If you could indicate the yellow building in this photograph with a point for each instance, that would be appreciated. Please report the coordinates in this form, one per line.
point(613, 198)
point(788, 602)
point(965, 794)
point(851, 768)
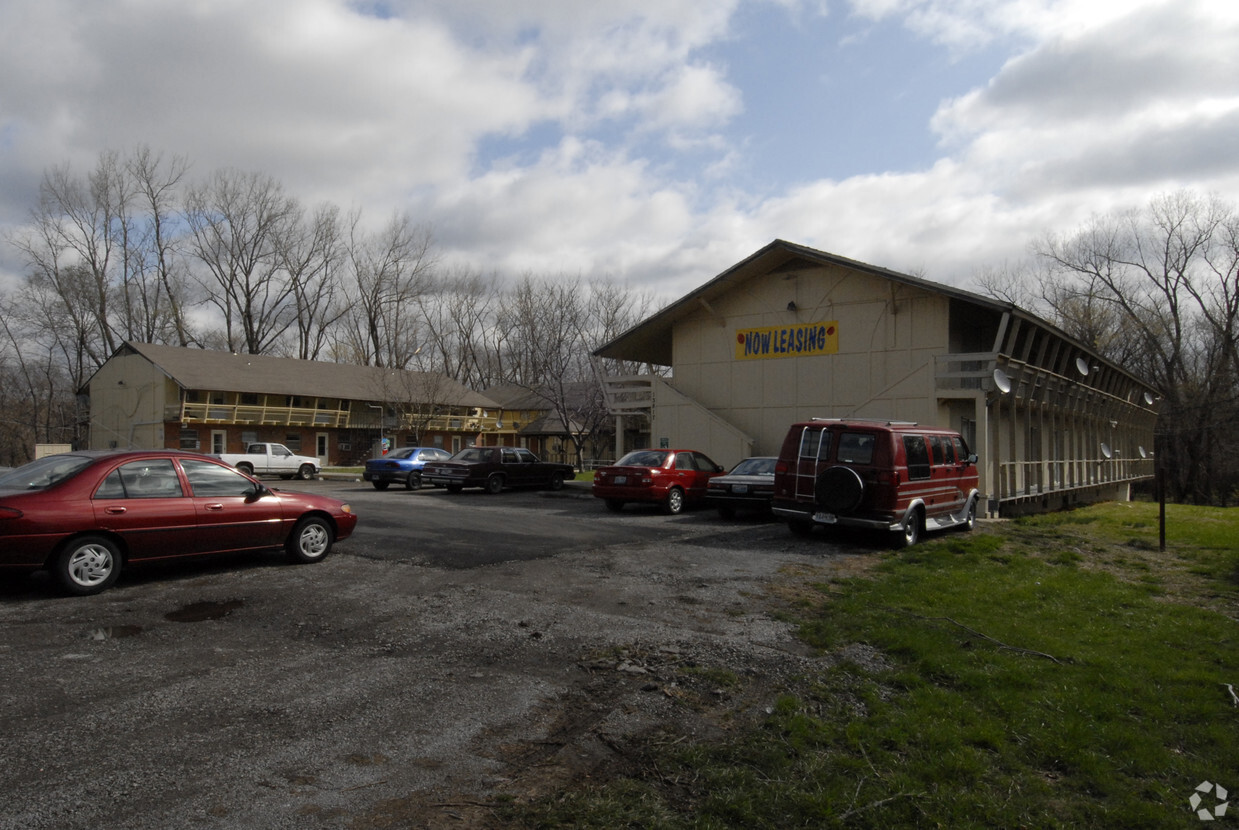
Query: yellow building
point(792, 333)
point(212, 401)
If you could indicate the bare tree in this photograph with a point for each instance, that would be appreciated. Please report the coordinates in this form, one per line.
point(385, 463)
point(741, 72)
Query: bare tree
point(1160, 290)
point(157, 267)
point(391, 269)
point(313, 256)
point(459, 313)
point(239, 222)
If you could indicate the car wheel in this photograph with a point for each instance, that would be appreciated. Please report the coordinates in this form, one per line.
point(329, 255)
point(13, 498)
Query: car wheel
point(414, 481)
point(800, 527)
point(970, 518)
point(310, 540)
point(494, 484)
point(380, 485)
point(455, 488)
point(727, 512)
point(615, 505)
point(910, 534)
point(674, 502)
point(557, 481)
point(305, 473)
point(88, 565)
point(248, 469)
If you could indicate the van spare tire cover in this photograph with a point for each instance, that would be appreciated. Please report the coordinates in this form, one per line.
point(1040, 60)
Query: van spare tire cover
point(839, 489)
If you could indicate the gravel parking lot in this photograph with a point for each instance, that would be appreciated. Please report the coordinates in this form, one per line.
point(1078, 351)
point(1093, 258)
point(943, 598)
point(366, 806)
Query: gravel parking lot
point(456, 651)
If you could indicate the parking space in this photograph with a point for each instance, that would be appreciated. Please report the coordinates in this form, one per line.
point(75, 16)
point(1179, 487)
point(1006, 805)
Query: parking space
point(398, 674)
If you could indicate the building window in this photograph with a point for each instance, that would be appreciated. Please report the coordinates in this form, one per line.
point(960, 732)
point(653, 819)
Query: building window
point(189, 439)
point(250, 436)
point(293, 441)
point(249, 398)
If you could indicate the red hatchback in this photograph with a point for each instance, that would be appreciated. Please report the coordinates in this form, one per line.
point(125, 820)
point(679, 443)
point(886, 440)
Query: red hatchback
point(671, 478)
point(84, 515)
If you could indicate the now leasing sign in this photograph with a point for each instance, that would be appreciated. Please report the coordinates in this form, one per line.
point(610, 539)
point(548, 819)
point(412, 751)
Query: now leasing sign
point(800, 340)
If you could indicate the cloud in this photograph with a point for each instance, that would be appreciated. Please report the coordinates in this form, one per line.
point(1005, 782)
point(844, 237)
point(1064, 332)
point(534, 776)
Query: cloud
point(395, 105)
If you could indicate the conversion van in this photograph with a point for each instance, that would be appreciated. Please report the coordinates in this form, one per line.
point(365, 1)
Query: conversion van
point(893, 476)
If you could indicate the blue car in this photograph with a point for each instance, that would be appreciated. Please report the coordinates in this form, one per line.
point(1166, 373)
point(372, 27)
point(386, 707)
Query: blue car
point(402, 466)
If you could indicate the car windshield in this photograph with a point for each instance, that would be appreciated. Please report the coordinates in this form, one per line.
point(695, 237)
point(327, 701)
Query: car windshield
point(43, 472)
point(754, 467)
point(643, 458)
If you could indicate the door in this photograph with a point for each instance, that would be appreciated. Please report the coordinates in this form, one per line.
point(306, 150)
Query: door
point(230, 516)
point(145, 504)
point(219, 441)
point(321, 442)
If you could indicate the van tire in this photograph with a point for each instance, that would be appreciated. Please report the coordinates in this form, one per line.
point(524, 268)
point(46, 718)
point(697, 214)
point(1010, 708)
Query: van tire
point(913, 528)
point(839, 490)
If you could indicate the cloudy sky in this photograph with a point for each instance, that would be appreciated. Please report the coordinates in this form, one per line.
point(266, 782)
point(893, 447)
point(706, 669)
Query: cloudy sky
point(654, 141)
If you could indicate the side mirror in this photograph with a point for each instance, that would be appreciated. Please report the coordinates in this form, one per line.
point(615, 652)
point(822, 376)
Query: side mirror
point(972, 459)
point(718, 468)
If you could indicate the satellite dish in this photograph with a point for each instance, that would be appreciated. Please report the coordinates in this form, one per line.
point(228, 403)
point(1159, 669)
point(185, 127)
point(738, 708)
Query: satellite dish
point(1148, 398)
point(498, 424)
point(1082, 366)
point(1143, 454)
point(1002, 381)
point(1105, 450)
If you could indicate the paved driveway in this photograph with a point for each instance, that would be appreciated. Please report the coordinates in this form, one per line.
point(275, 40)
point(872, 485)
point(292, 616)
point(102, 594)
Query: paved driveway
point(455, 651)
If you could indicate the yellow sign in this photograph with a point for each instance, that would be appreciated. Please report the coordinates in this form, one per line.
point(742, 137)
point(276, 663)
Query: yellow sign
point(800, 340)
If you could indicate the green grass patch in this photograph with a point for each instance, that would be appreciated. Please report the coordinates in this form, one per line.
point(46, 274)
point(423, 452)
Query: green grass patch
point(1031, 677)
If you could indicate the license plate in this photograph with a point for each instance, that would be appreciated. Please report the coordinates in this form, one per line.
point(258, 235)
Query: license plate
point(739, 488)
point(825, 518)
point(621, 479)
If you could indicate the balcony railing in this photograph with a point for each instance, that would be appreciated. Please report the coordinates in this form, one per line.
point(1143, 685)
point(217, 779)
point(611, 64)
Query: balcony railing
point(211, 413)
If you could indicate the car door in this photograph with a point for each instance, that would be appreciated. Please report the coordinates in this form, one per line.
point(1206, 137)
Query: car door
point(232, 511)
point(144, 502)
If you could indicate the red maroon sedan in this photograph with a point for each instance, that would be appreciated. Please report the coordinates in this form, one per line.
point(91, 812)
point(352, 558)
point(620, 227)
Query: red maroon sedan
point(84, 515)
point(672, 478)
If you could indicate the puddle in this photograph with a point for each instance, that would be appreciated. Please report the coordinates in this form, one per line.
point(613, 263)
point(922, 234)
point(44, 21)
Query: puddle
point(199, 611)
point(114, 632)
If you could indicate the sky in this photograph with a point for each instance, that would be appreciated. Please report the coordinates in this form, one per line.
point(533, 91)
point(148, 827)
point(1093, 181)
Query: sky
point(652, 142)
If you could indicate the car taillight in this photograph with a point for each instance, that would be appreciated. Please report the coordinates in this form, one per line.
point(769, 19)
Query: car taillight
point(781, 467)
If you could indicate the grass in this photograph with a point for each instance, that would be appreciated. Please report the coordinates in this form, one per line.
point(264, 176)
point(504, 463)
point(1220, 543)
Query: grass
point(1052, 671)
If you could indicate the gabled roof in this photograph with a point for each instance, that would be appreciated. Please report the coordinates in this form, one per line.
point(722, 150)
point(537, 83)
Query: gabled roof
point(579, 394)
point(650, 340)
point(263, 374)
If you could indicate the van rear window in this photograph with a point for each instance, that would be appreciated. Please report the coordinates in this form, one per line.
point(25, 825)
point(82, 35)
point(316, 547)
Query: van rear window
point(856, 448)
point(815, 444)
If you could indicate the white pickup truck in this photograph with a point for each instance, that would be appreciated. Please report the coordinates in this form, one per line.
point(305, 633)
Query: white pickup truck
point(272, 459)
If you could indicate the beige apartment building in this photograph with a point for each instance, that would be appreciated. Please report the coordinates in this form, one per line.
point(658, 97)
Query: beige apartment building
point(793, 333)
point(214, 401)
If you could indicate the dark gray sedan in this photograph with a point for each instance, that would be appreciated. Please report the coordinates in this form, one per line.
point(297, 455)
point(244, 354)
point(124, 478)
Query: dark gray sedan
point(749, 486)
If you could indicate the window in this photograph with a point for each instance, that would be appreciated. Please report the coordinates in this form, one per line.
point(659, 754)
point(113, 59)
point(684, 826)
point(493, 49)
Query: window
point(526, 456)
point(189, 439)
point(961, 448)
point(918, 456)
point(293, 442)
point(150, 479)
point(211, 480)
point(249, 398)
point(814, 444)
point(856, 448)
point(939, 448)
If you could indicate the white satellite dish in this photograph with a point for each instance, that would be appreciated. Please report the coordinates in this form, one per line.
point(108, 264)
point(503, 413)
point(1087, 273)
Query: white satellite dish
point(1148, 398)
point(1105, 450)
point(1143, 454)
point(1082, 366)
point(1002, 381)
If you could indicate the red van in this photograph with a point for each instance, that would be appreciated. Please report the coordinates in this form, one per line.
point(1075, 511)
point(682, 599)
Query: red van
point(894, 476)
